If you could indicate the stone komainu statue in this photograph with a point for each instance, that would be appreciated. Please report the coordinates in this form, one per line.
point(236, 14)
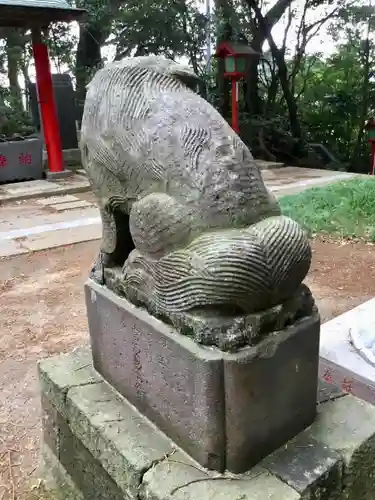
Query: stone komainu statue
point(185, 212)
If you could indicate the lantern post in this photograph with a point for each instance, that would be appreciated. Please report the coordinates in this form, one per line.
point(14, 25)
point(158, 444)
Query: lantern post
point(236, 59)
point(370, 127)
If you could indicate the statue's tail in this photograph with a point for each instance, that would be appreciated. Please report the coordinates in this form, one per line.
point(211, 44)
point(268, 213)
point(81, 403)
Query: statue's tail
point(243, 269)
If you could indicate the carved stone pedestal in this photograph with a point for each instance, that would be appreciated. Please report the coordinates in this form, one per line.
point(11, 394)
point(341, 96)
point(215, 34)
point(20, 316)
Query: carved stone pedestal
point(226, 410)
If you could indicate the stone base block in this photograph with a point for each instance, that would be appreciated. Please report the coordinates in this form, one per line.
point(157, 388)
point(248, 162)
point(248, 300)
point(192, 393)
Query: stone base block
point(227, 410)
point(340, 362)
point(97, 446)
point(53, 176)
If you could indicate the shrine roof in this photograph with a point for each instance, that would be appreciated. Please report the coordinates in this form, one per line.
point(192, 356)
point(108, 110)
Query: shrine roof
point(228, 48)
point(28, 13)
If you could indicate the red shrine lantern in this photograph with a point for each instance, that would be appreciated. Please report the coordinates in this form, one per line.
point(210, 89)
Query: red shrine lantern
point(370, 127)
point(236, 62)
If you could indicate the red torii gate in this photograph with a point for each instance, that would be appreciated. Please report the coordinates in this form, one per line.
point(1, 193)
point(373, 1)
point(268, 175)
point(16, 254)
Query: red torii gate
point(37, 15)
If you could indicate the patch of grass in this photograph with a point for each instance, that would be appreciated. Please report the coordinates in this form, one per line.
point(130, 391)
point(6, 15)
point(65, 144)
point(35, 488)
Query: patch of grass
point(344, 209)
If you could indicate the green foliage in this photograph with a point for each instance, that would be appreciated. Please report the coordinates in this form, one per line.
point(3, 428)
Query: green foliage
point(61, 45)
point(169, 27)
point(332, 95)
point(13, 120)
point(330, 103)
point(344, 209)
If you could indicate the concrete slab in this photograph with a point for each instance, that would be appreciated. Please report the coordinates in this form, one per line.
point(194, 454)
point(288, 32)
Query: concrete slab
point(62, 237)
point(71, 205)
point(269, 165)
point(22, 188)
point(340, 362)
point(9, 248)
point(73, 181)
point(293, 174)
point(41, 188)
point(29, 218)
point(304, 184)
point(55, 200)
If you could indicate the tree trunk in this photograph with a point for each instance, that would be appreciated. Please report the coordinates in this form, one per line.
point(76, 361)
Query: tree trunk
point(254, 104)
point(355, 165)
point(88, 60)
point(91, 39)
point(290, 100)
point(14, 48)
point(253, 100)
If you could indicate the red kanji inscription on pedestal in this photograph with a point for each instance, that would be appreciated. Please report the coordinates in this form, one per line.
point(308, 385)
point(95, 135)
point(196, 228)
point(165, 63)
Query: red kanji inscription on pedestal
point(25, 159)
point(3, 161)
point(347, 385)
point(327, 375)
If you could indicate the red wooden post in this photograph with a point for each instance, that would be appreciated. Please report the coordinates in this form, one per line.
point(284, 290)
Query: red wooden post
point(235, 120)
point(47, 103)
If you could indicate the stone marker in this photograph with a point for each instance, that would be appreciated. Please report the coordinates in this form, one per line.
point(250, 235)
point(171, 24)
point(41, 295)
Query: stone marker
point(197, 311)
point(346, 357)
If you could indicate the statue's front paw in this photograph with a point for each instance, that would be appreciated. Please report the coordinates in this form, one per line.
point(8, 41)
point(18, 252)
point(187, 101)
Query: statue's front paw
point(97, 270)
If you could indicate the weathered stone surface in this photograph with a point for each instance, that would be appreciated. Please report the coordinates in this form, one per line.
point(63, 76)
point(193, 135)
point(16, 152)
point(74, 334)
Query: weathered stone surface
point(57, 479)
point(224, 409)
point(347, 426)
point(87, 473)
point(270, 393)
point(98, 419)
point(331, 460)
point(118, 436)
point(178, 478)
point(314, 470)
point(58, 374)
point(52, 421)
point(328, 392)
point(53, 176)
point(169, 378)
point(184, 208)
point(79, 469)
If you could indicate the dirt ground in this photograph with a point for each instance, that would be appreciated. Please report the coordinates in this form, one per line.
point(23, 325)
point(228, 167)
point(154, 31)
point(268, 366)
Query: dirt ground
point(42, 313)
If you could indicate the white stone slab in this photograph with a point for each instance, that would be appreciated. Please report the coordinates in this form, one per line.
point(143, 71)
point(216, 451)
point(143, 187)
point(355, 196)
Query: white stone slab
point(71, 205)
point(30, 186)
point(63, 237)
point(316, 182)
point(11, 247)
point(55, 200)
point(340, 362)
